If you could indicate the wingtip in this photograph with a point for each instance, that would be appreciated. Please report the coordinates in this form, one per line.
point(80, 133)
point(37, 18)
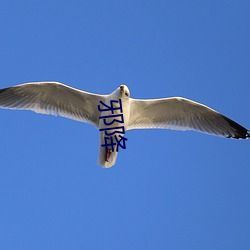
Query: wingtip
point(248, 134)
point(239, 131)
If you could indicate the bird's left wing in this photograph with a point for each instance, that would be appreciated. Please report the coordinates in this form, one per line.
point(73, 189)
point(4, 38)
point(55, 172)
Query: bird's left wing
point(53, 98)
point(182, 114)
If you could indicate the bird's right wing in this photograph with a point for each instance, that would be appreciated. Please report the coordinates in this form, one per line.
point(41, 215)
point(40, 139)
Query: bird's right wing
point(53, 98)
point(182, 114)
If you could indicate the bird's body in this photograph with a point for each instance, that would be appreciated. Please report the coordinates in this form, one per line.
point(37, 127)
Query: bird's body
point(107, 159)
point(167, 113)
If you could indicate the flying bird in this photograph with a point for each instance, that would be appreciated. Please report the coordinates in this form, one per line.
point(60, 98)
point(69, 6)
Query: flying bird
point(175, 113)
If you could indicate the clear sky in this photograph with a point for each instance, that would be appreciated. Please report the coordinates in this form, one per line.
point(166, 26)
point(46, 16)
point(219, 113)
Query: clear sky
point(169, 189)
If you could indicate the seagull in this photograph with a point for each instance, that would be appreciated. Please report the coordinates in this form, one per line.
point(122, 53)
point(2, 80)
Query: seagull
point(175, 113)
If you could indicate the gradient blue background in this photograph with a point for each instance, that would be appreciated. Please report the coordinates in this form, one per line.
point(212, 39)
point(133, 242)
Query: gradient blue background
point(169, 189)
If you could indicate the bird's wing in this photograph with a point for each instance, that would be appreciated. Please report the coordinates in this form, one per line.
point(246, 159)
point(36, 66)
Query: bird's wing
point(53, 98)
point(182, 114)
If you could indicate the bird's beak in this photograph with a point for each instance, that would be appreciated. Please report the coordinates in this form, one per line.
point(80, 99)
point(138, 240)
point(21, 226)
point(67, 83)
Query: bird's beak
point(122, 88)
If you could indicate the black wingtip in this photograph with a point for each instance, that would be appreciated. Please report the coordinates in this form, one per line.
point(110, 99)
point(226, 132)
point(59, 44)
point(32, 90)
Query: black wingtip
point(248, 134)
point(239, 131)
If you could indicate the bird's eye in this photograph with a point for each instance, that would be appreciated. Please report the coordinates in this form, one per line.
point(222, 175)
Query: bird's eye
point(126, 93)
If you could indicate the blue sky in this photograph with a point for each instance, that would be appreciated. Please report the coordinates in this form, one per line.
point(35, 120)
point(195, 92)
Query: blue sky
point(169, 189)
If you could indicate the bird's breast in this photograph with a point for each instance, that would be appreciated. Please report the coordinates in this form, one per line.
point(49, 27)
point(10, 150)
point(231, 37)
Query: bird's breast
point(114, 114)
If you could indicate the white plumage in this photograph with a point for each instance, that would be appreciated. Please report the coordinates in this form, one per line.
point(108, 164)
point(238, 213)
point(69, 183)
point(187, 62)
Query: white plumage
point(167, 113)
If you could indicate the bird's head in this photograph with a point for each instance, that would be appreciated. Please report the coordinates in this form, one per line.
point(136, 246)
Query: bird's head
point(124, 91)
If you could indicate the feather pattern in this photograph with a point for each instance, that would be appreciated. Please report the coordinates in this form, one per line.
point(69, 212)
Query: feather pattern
point(53, 98)
point(182, 114)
